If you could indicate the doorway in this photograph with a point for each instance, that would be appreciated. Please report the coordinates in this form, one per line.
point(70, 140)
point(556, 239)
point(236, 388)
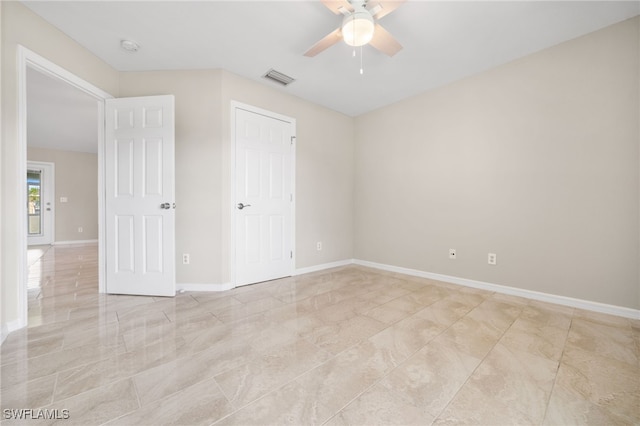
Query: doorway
point(29, 61)
point(40, 199)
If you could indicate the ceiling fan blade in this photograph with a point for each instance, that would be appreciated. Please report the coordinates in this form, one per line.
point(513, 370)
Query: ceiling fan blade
point(325, 43)
point(384, 41)
point(381, 9)
point(338, 6)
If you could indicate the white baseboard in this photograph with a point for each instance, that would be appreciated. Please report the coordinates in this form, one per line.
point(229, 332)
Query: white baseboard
point(323, 266)
point(64, 243)
point(8, 328)
point(229, 286)
point(528, 294)
point(203, 287)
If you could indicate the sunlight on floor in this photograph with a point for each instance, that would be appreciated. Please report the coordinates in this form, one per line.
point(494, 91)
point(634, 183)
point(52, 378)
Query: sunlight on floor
point(35, 255)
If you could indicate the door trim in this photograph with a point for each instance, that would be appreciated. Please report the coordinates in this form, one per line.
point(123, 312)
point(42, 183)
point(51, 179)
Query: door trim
point(27, 58)
point(235, 105)
point(50, 184)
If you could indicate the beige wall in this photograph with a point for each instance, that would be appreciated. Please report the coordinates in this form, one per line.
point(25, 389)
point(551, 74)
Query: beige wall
point(76, 178)
point(21, 26)
point(324, 177)
point(536, 161)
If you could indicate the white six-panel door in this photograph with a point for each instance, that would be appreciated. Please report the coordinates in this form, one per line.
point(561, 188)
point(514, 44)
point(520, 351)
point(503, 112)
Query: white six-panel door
point(140, 196)
point(264, 159)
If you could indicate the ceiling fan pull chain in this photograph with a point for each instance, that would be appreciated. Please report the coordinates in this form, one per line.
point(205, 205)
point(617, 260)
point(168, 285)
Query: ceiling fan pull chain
point(361, 67)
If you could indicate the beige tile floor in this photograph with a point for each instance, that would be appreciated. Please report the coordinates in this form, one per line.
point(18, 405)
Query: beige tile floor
point(345, 346)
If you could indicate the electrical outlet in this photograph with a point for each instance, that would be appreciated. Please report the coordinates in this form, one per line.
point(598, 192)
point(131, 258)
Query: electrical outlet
point(319, 246)
point(492, 259)
point(186, 259)
point(80, 229)
point(452, 253)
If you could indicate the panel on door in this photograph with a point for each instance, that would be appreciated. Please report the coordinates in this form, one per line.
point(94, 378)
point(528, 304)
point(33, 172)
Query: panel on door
point(140, 195)
point(264, 196)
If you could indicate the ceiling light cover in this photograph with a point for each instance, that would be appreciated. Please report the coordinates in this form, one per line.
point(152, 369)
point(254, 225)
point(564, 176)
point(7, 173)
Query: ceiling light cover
point(357, 28)
point(130, 46)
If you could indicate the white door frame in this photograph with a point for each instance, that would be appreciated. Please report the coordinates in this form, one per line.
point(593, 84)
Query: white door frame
point(49, 191)
point(232, 243)
point(27, 58)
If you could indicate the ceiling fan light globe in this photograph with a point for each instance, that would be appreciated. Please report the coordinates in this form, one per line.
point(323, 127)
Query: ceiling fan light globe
point(358, 28)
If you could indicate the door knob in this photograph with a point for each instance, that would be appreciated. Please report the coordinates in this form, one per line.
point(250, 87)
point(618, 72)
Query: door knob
point(165, 206)
point(242, 206)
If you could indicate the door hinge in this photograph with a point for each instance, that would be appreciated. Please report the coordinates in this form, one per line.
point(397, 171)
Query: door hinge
point(293, 138)
point(291, 197)
point(291, 254)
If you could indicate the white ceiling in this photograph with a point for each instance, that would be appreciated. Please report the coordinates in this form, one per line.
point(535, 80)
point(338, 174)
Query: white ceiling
point(443, 41)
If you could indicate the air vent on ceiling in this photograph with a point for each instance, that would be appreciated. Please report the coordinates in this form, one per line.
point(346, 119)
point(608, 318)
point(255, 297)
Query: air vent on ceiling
point(279, 77)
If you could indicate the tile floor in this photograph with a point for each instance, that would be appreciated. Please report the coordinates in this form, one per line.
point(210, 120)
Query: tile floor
point(346, 346)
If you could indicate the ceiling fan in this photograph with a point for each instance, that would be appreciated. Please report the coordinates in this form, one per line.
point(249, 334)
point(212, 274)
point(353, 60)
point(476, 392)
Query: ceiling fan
point(359, 26)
